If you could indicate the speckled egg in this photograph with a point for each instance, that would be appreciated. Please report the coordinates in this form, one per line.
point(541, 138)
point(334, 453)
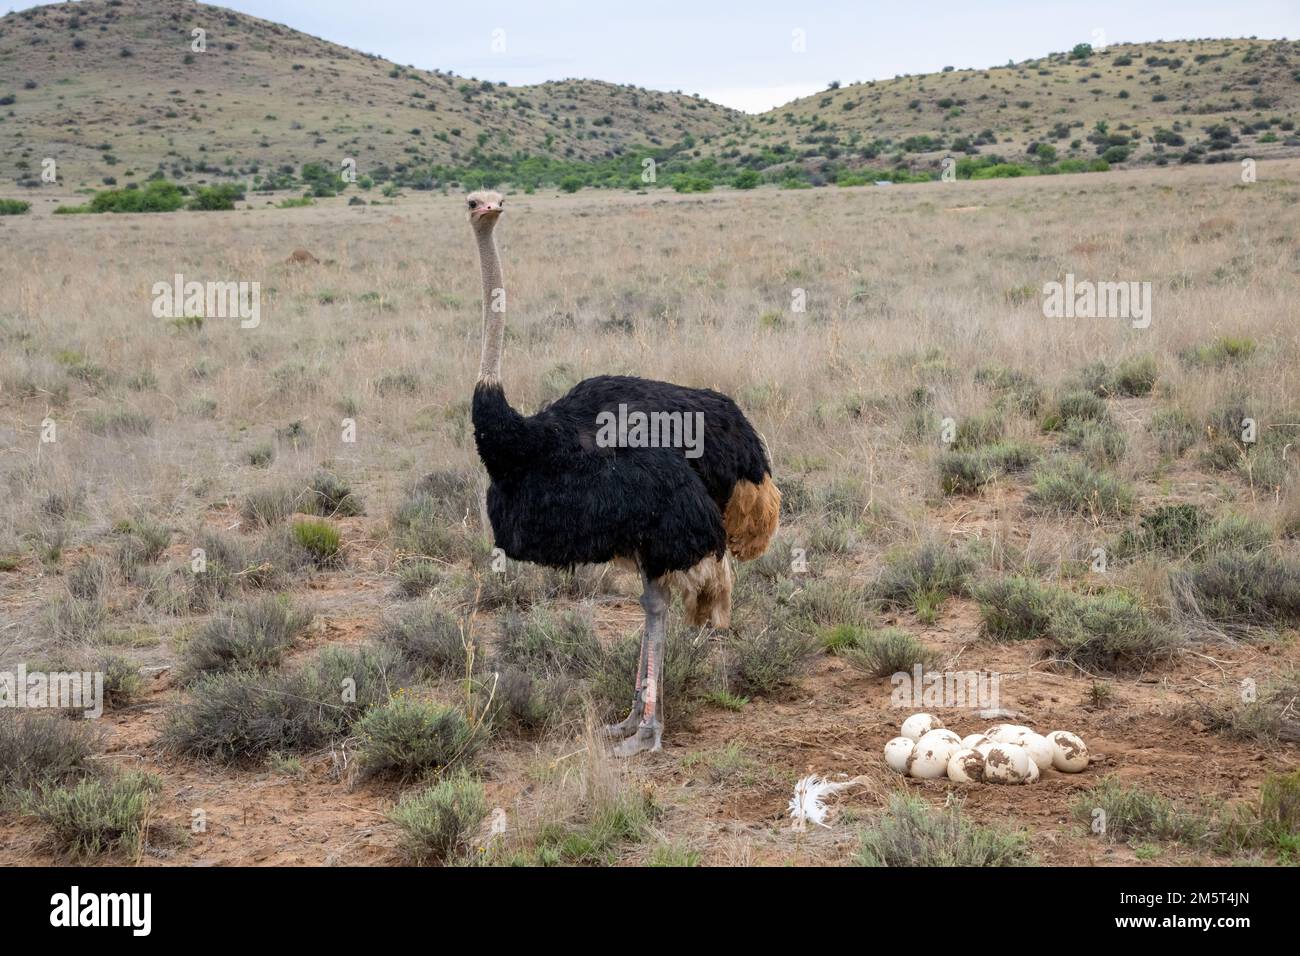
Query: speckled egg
point(918, 725)
point(966, 766)
point(1069, 752)
point(897, 752)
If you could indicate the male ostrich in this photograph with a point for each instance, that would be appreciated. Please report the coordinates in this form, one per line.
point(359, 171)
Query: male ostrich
point(559, 497)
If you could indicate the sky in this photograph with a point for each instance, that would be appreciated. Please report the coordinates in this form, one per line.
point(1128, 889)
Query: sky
point(745, 53)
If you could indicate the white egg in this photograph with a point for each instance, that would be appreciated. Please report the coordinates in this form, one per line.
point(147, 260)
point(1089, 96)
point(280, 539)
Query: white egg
point(916, 726)
point(1040, 749)
point(930, 762)
point(1069, 752)
point(1006, 733)
point(984, 748)
point(941, 734)
point(897, 752)
point(966, 766)
point(1006, 763)
point(971, 741)
point(1034, 772)
point(940, 740)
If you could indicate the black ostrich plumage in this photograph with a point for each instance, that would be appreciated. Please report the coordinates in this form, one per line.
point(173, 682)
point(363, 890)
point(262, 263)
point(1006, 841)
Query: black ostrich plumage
point(557, 498)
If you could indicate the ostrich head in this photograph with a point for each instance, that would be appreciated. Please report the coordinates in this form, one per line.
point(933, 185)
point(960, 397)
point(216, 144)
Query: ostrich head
point(484, 208)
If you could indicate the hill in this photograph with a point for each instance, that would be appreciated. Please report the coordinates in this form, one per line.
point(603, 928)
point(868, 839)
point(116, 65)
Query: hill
point(107, 86)
point(115, 92)
point(1191, 101)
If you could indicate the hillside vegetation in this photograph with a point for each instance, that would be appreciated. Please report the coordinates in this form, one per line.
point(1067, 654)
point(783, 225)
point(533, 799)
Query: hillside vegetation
point(113, 88)
point(115, 93)
point(1182, 102)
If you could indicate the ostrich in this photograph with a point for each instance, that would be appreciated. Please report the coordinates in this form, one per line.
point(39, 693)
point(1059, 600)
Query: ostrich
point(559, 495)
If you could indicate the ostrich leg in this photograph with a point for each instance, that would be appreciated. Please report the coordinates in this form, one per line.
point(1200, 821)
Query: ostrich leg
point(648, 729)
point(633, 719)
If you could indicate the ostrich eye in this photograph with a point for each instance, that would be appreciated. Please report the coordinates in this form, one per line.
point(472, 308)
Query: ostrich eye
point(473, 204)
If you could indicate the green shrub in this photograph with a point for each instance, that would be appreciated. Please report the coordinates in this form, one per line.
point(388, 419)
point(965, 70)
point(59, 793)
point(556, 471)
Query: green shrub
point(429, 638)
point(122, 680)
point(244, 715)
point(965, 472)
point(13, 207)
point(1109, 632)
point(329, 497)
point(1016, 608)
point(597, 840)
point(408, 738)
point(546, 643)
point(887, 651)
point(98, 815)
point(975, 431)
point(1100, 443)
point(1217, 354)
point(261, 455)
point(809, 607)
point(142, 542)
point(40, 750)
point(1017, 388)
point(437, 823)
point(1076, 486)
point(1240, 589)
point(761, 661)
point(685, 183)
point(842, 637)
point(922, 578)
point(217, 198)
point(1135, 376)
point(251, 636)
point(911, 833)
point(122, 421)
point(1078, 407)
point(1176, 529)
point(1132, 813)
point(1268, 719)
point(1173, 431)
point(417, 578)
point(321, 540)
point(429, 520)
point(156, 196)
point(1278, 815)
point(531, 702)
point(269, 505)
point(1237, 533)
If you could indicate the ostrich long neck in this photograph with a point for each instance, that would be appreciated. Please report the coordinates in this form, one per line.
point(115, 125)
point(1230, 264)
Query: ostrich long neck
point(494, 316)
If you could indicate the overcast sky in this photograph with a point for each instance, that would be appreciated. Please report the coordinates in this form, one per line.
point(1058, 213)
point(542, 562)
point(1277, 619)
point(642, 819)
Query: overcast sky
point(742, 53)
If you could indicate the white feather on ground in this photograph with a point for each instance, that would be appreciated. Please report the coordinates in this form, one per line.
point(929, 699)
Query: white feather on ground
point(809, 800)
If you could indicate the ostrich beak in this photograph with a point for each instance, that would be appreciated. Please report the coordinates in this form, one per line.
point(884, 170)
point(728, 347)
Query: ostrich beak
point(486, 211)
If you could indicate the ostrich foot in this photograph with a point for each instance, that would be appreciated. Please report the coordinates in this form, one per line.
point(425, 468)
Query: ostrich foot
point(623, 728)
point(628, 724)
point(647, 737)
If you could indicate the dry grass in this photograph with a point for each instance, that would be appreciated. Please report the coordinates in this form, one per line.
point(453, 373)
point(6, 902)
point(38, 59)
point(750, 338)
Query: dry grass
point(907, 305)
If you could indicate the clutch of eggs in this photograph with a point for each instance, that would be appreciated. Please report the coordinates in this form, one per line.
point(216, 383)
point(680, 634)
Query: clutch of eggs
point(1005, 753)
